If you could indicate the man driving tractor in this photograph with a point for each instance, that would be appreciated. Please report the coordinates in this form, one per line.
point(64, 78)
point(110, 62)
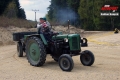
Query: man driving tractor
point(60, 46)
point(43, 24)
point(44, 28)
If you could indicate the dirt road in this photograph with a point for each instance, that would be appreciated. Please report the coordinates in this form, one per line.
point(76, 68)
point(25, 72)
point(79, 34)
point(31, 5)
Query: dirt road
point(106, 48)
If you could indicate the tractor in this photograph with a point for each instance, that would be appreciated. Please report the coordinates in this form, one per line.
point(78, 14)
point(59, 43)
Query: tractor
point(62, 48)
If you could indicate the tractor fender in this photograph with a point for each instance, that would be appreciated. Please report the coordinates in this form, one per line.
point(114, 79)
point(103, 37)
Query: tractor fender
point(26, 37)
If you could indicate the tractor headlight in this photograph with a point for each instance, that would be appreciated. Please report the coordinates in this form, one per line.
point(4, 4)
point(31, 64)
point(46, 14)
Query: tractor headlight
point(65, 39)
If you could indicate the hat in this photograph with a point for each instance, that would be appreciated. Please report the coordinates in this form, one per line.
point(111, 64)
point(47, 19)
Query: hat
point(43, 18)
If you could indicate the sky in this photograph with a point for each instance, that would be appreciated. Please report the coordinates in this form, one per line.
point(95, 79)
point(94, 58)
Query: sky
point(30, 5)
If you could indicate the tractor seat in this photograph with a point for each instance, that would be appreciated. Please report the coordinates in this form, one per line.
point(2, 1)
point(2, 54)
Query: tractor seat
point(55, 34)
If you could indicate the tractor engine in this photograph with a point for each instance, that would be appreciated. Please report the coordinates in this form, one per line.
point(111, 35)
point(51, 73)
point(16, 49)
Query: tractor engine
point(67, 44)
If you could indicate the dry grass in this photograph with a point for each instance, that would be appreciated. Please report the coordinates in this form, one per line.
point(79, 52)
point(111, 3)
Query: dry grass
point(66, 30)
point(6, 22)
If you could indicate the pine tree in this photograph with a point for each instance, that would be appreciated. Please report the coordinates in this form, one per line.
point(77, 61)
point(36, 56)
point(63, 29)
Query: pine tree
point(64, 10)
point(3, 5)
point(11, 9)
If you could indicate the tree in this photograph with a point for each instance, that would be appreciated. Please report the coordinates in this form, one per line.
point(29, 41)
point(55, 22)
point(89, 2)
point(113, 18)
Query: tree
point(22, 13)
point(3, 5)
point(84, 12)
point(63, 10)
point(89, 12)
point(12, 9)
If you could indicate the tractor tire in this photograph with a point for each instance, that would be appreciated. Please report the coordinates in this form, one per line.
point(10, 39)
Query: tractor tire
point(87, 58)
point(19, 49)
point(84, 42)
point(66, 62)
point(36, 52)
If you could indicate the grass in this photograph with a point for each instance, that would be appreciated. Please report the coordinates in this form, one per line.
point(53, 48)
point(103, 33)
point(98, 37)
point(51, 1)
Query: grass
point(6, 22)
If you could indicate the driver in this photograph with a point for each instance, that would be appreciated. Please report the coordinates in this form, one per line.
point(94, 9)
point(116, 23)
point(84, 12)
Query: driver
point(43, 22)
point(44, 28)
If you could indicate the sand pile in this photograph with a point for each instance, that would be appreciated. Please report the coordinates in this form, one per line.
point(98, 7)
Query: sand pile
point(6, 37)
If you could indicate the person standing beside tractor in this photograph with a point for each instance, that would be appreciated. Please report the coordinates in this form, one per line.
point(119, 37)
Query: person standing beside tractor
point(116, 31)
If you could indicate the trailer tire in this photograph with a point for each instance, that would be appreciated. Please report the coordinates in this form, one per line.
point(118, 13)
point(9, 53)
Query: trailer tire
point(19, 49)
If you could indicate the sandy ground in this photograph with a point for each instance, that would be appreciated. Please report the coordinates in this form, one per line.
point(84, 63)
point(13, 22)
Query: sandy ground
point(104, 45)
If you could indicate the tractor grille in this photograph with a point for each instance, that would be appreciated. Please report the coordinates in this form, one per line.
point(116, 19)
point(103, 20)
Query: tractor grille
point(75, 43)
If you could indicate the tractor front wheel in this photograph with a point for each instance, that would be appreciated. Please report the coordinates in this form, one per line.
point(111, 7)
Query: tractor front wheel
point(35, 50)
point(87, 58)
point(66, 62)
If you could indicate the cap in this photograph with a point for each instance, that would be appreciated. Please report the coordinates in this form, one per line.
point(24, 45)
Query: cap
point(44, 18)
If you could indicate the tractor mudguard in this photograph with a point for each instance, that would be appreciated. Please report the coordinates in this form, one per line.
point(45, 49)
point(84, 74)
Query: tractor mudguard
point(43, 39)
point(26, 37)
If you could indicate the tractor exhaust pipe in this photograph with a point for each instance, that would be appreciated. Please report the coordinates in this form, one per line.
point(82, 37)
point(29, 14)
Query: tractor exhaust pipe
point(68, 24)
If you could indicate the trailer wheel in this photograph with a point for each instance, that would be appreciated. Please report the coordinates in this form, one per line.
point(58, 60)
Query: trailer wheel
point(66, 62)
point(87, 58)
point(19, 49)
point(35, 50)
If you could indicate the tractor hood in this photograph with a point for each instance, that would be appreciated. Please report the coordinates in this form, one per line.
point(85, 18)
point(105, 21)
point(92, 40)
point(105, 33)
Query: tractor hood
point(62, 36)
point(73, 39)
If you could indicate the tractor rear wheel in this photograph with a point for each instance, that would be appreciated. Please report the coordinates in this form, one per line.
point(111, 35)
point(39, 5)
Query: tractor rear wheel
point(66, 62)
point(35, 50)
point(87, 58)
point(19, 49)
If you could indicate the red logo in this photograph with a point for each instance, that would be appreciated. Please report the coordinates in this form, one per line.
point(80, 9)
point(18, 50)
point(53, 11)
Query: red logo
point(109, 8)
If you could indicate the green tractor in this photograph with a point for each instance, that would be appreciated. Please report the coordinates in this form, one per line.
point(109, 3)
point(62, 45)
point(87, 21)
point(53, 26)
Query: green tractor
point(61, 48)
